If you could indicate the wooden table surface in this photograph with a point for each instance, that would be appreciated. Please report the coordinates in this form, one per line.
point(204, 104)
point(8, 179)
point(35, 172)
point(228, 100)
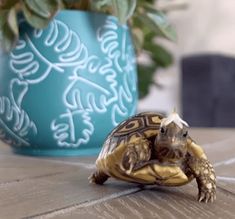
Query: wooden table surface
point(32, 187)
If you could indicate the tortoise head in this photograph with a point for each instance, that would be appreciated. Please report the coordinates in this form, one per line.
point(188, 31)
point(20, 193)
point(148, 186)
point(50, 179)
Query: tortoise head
point(171, 142)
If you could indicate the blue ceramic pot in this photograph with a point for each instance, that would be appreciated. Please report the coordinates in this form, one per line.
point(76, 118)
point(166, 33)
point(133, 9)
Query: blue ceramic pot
point(64, 88)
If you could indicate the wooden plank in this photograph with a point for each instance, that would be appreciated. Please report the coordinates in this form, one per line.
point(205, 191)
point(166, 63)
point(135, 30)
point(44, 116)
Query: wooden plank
point(226, 170)
point(6, 151)
point(47, 186)
point(226, 176)
point(40, 195)
point(157, 203)
point(14, 168)
point(219, 144)
point(5, 148)
point(17, 168)
point(221, 152)
point(211, 135)
point(226, 185)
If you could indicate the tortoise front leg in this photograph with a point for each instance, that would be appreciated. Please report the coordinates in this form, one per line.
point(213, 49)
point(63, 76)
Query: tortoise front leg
point(205, 177)
point(202, 170)
point(138, 151)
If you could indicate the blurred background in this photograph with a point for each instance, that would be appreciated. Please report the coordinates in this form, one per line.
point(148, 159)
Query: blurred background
point(200, 81)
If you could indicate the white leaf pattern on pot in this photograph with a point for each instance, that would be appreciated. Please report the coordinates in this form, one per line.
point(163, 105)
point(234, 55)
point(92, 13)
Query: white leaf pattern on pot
point(108, 71)
point(96, 97)
point(34, 66)
point(74, 126)
point(69, 134)
point(121, 55)
point(18, 90)
point(20, 122)
point(99, 97)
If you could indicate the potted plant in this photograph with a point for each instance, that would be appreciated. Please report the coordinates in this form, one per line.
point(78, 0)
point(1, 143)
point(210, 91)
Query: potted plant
point(69, 73)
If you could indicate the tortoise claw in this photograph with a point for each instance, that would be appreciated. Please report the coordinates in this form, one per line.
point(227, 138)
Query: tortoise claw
point(212, 198)
point(207, 196)
point(201, 197)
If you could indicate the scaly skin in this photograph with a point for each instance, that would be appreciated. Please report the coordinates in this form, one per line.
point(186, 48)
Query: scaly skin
point(205, 176)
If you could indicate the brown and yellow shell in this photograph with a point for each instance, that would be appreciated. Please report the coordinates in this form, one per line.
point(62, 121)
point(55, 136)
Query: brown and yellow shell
point(128, 155)
point(146, 124)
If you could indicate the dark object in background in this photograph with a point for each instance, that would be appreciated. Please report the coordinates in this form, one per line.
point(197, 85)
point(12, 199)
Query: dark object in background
point(208, 90)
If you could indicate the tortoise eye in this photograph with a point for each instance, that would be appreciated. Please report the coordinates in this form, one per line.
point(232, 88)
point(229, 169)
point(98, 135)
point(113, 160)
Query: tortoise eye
point(162, 130)
point(185, 134)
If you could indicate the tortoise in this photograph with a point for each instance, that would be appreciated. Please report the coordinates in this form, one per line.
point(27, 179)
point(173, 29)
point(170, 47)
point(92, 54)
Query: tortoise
point(149, 148)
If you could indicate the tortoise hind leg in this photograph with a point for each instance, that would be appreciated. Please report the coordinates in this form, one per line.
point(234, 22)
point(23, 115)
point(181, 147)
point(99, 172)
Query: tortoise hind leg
point(98, 177)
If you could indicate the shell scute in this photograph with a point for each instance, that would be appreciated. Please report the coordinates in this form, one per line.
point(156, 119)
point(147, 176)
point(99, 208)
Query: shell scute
point(146, 124)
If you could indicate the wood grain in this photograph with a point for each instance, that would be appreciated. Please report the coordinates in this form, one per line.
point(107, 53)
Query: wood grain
point(211, 135)
point(36, 196)
point(18, 168)
point(32, 187)
point(159, 203)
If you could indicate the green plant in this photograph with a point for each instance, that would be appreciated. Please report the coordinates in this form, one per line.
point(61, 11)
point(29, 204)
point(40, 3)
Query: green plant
point(145, 21)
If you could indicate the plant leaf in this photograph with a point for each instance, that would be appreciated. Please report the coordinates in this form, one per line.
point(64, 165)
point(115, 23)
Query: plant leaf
point(8, 29)
point(39, 15)
point(101, 5)
point(34, 20)
point(77, 4)
point(158, 22)
point(123, 9)
point(12, 21)
point(145, 79)
point(7, 4)
point(8, 39)
point(138, 38)
point(159, 55)
point(43, 8)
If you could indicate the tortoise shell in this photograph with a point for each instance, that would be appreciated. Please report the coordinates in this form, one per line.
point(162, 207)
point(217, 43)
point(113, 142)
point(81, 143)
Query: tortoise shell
point(133, 152)
point(146, 124)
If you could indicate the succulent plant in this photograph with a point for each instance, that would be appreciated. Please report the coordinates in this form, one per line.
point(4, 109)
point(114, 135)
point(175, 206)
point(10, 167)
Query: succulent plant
point(145, 21)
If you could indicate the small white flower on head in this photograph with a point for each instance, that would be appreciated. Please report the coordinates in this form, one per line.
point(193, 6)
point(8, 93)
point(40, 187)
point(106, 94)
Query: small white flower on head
point(175, 118)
